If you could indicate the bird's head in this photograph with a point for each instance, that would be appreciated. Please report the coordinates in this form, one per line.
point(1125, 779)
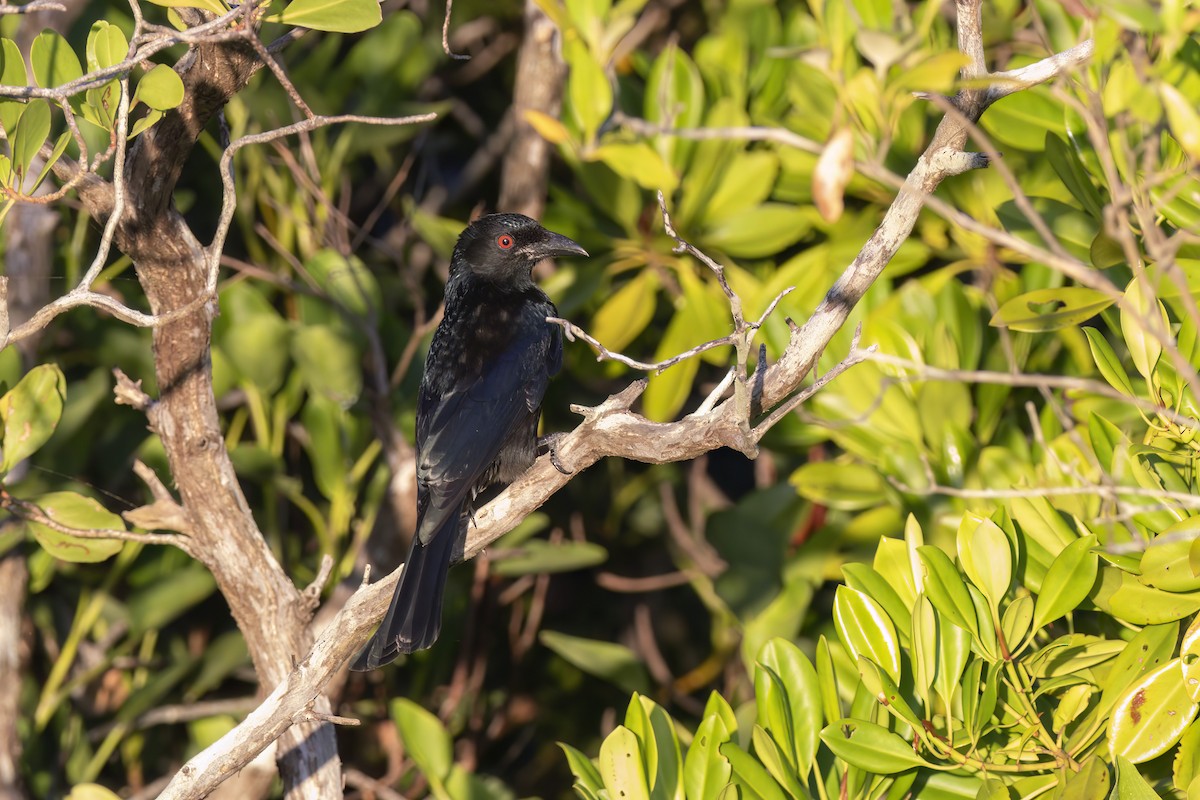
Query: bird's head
point(503, 248)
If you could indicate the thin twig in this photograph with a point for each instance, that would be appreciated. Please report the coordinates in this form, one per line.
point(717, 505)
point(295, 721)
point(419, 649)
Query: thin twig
point(446, 35)
point(855, 356)
point(31, 7)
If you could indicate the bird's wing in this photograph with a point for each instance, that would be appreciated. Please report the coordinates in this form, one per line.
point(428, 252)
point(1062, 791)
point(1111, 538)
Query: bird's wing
point(461, 432)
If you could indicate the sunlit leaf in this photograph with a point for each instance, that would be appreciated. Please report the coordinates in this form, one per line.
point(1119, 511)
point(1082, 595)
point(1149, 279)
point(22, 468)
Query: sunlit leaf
point(870, 747)
point(74, 511)
point(30, 412)
point(1051, 309)
point(1151, 715)
point(161, 88)
point(1068, 581)
point(54, 62)
point(425, 738)
point(608, 660)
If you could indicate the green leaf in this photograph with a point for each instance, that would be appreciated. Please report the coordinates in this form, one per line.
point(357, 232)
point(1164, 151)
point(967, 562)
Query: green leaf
point(869, 582)
point(772, 756)
point(32, 131)
point(953, 651)
point(669, 390)
point(60, 147)
point(1122, 595)
point(30, 411)
point(675, 96)
point(842, 485)
point(870, 747)
point(752, 773)
point(745, 184)
point(1050, 309)
point(622, 767)
point(549, 128)
point(1073, 174)
point(155, 606)
point(774, 711)
point(257, 346)
point(993, 790)
point(764, 230)
point(866, 630)
point(161, 89)
point(425, 739)
point(12, 73)
point(54, 62)
point(608, 660)
point(336, 16)
point(1130, 783)
point(945, 589)
point(1183, 119)
point(937, 74)
point(1092, 781)
point(885, 690)
point(582, 768)
point(1151, 715)
point(215, 6)
point(1166, 563)
point(145, 123)
point(638, 162)
point(347, 281)
point(539, 557)
point(588, 90)
point(627, 311)
point(1107, 362)
point(1067, 583)
point(655, 731)
point(705, 770)
point(329, 362)
point(986, 557)
point(1144, 349)
point(106, 45)
point(1149, 648)
point(78, 512)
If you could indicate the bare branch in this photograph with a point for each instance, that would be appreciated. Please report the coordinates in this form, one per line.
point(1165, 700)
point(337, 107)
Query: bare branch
point(446, 35)
point(33, 513)
point(573, 332)
point(34, 5)
point(1006, 83)
point(923, 372)
point(229, 190)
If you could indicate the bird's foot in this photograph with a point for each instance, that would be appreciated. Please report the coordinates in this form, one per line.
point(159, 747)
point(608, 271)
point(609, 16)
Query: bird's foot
point(549, 444)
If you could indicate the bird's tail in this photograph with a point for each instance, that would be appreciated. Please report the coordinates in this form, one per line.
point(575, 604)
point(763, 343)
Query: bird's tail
point(414, 619)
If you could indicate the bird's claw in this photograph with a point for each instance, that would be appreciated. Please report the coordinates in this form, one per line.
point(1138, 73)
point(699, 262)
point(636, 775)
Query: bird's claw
point(550, 442)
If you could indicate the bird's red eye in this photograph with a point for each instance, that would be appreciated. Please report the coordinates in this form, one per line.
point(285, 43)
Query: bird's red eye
point(504, 241)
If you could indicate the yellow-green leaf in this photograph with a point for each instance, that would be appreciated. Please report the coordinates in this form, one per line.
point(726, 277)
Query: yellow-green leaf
point(54, 62)
point(75, 511)
point(547, 126)
point(337, 16)
point(627, 312)
point(30, 411)
point(1151, 715)
point(161, 88)
point(1050, 309)
point(1144, 348)
point(1183, 119)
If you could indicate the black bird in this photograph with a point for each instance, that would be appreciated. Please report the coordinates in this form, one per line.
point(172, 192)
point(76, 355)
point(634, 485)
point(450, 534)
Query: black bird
point(478, 409)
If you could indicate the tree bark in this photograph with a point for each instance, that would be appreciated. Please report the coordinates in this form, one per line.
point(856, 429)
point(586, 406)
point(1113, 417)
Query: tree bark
point(539, 87)
point(172, 267)
point(14, 653)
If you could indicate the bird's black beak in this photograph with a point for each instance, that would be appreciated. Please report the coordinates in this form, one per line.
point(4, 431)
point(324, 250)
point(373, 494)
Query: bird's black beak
point(553, 245)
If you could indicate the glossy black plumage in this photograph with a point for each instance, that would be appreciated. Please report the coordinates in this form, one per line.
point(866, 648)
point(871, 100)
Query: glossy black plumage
point(478, 408)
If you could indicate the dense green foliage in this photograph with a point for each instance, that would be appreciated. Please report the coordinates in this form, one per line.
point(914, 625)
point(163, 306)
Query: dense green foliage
point(1007, 566)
